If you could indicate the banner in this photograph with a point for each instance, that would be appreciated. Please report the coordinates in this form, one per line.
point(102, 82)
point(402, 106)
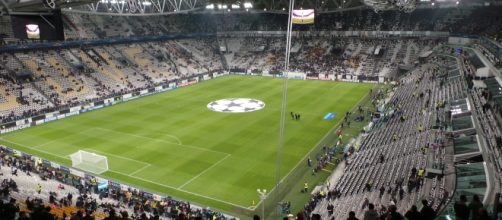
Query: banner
point(75, 109)
point(305, 16)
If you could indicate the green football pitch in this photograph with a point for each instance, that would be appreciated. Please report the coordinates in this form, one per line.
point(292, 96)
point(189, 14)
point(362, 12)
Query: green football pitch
point(171, 143)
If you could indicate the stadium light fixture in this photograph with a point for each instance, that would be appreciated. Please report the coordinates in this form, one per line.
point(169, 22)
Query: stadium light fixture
point(147, 3)
point(248, 5)
point(235, 6)
point(210, 6)
point(265, 9)
point(432, 3)
point(457, 2)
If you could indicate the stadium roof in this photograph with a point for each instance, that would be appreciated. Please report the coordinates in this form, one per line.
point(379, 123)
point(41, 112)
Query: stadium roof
point(147, 7)
point(27, 6)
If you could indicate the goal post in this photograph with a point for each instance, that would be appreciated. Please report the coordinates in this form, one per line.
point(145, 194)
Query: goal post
point(90, 162)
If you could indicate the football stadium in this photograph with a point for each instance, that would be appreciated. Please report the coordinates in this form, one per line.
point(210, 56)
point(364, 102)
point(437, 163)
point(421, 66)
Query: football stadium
point(254, 109)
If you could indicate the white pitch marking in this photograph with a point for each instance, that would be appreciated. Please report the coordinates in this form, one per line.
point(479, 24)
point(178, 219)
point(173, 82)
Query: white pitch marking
point(113, 155)
point(164, 141)
point(141, 136)
point(140, 169)
point(204, 171)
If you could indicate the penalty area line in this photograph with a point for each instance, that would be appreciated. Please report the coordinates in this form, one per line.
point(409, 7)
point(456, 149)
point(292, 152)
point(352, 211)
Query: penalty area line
point(140, 169)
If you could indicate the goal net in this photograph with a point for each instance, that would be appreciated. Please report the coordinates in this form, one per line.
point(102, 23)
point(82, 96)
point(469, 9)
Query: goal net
point(90, 162)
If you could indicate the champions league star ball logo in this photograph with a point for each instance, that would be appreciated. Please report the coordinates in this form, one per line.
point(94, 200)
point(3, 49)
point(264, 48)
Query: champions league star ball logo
point(236, 105)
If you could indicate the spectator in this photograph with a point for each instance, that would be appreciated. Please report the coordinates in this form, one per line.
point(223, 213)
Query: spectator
point(393, 214)
point(461, 209)
point(330, 209)
point(352, 216)
point(413, 213)
point(427, 213)
point(371, 213)
point(474, 207)
point(483, 214)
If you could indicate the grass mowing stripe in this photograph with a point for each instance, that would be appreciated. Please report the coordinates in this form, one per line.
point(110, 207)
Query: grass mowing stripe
point(178, 141)
point(35, 149)
point(200, 174)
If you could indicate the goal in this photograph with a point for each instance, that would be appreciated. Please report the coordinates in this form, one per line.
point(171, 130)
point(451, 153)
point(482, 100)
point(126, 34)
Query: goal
point(89, 162)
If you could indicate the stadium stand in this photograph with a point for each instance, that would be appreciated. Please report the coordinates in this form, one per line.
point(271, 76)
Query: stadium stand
point(384, 170)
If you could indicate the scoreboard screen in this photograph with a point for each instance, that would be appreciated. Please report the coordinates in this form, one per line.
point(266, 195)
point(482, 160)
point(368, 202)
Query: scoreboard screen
point(38, 27)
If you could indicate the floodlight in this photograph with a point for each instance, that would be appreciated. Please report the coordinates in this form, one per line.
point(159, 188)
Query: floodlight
point(248, 5)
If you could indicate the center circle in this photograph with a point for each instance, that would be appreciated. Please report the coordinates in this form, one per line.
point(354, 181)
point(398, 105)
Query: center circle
point(236, 105)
